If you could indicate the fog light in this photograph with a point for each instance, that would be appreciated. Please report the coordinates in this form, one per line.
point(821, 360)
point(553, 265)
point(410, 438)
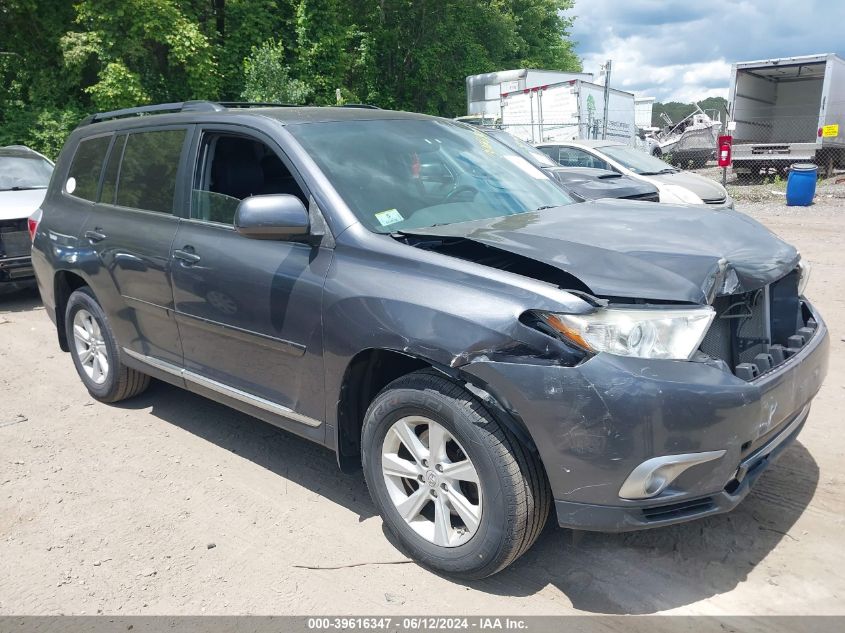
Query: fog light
point(652, 477)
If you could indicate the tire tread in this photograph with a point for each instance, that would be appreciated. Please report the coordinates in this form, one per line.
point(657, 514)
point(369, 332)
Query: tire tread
point(531, 501)
point(129, 382)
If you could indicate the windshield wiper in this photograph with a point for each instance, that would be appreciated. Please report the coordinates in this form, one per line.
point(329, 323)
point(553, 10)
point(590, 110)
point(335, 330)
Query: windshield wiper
point(668, 170)
point(17, 188)
point(547, 206)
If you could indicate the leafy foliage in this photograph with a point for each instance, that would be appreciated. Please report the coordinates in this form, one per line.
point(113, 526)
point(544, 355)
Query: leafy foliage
point(60, 59)
point(267, 77)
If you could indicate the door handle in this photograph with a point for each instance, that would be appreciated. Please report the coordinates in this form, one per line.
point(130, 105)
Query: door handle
point(95, 236)
point(188, 258)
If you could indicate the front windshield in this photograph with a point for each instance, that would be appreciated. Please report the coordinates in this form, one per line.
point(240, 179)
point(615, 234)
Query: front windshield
point(529, 152)
point(24, 172)
point(399, 174)
point(636, 160)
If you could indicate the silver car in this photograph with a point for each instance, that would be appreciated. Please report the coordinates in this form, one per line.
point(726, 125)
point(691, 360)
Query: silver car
point(24, 176)
point(675, 185)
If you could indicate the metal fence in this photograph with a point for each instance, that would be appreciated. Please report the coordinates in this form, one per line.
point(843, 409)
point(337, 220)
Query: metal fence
point(769, 139)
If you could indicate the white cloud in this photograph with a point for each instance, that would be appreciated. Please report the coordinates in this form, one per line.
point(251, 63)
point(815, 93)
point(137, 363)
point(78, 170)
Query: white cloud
point(667, 82)
point(682, 51)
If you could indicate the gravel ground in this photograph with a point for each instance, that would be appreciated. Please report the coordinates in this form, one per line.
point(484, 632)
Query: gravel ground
point(172, 504)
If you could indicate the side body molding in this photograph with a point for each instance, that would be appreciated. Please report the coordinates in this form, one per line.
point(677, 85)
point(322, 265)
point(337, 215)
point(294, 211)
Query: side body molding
point(226, 390)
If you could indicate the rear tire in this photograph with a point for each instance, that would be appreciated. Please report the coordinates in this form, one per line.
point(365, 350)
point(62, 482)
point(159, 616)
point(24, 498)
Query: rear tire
point(512, 492)
point(95, 353)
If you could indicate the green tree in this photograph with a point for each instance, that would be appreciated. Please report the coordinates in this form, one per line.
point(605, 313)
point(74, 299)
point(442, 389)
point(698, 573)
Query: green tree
point(147, 50)
point(244, 25)
point(416, 54)
point(323, 38)
point(60, 60)
point(34, 106)
point(267, 78)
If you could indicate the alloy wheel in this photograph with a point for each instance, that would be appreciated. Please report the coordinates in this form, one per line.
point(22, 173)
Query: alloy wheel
point(431, 481)
point(90, 346)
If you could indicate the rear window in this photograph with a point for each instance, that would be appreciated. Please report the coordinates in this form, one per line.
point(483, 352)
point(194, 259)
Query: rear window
point(148, 171)
point(19, 172)
point(84, 174)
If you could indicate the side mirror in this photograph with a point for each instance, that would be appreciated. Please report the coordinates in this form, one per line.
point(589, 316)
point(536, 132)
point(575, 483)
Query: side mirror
point(271, 217)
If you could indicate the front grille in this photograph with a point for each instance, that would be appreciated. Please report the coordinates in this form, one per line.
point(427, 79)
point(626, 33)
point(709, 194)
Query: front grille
point(647, 197)
point(753, 332)
point(14, 238)
point(717, 342)
point(714, 200)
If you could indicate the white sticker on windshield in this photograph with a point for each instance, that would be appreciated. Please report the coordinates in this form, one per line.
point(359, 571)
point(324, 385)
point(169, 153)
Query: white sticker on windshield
point(70, 185)
point(527, 167)
point(391, 216)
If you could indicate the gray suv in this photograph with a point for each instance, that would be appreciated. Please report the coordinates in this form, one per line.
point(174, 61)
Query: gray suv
point(428, 305)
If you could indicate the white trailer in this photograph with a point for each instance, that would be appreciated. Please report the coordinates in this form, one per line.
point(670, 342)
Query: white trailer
point(568, 111)
point(485, 91)
point(643, 107)
point(787, 110)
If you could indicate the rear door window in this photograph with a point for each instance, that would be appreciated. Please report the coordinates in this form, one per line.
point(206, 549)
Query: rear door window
point(83, 177)
point(148, 170)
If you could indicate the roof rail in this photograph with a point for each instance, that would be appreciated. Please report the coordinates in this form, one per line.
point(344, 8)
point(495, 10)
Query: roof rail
point(180, 106)
point(196, 106)
point(256, 104)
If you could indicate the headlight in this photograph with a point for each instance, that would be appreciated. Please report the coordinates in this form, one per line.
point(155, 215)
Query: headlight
point(673, 333)
point(804, 270)
point(682, 194)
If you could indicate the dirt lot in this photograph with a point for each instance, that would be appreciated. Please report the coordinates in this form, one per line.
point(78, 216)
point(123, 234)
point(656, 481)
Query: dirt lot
point(171, 504)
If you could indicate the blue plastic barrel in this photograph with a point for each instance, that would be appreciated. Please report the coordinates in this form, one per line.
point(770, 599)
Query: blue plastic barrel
point(801, 185)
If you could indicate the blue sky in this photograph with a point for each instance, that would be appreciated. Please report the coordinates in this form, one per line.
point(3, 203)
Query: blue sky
point(680, 51)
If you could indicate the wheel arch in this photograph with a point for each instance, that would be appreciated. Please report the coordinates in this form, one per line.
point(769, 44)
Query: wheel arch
point(372, 369)
point(64, 283)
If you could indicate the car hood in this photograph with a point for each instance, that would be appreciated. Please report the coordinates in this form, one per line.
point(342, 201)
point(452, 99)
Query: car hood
point(592, 184)
point(20, 204)
point(640, 250)
point(704, 188)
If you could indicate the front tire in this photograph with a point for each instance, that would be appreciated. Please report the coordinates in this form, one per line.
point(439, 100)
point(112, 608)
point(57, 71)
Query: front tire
point(460, 494)
point(95, 353)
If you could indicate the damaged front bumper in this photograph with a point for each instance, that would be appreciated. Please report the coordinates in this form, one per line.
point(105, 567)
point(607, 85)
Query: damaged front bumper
point(594, 423)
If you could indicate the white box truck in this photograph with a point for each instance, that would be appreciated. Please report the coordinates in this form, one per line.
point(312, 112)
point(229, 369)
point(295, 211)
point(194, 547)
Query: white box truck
point(484, 91)
point(567, 111)
point(787, 110)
